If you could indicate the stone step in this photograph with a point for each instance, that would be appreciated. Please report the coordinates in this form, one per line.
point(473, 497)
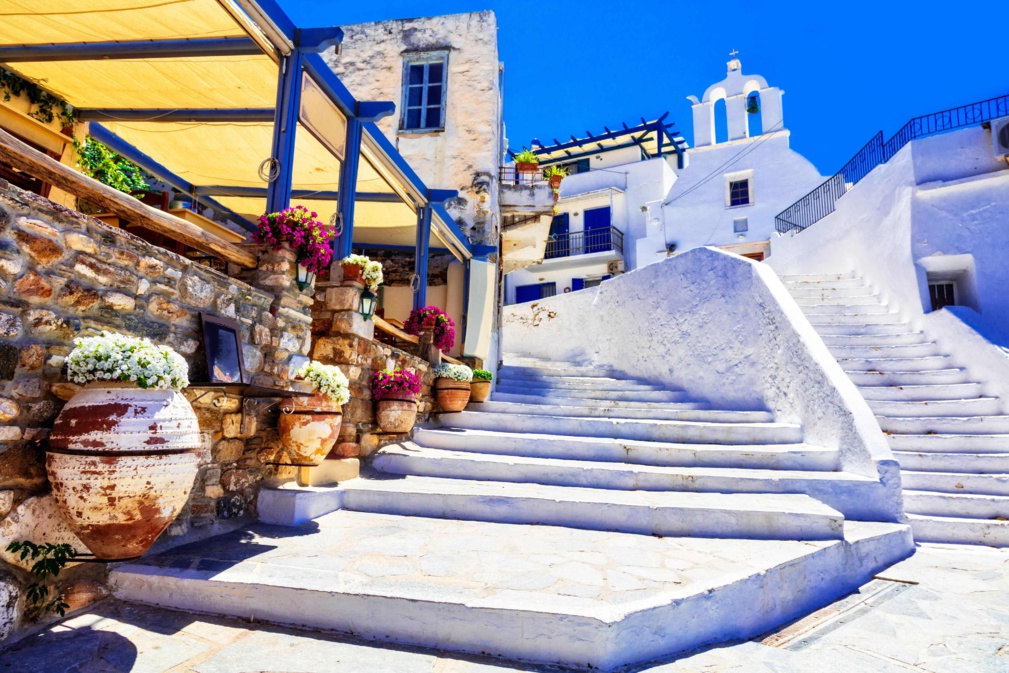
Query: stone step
point(993, 463)
point(923, 425)
point(670, 396)
point(574, 382)
point(955, 482)
point(950, 443)
point(976, 406)
point(846, 296)
point(532, 594)
point(896, 364)
point(916, 393)
point(894, 338)
point(965, 505)
point(845, 492)
point(559, 399)
point(829, 330)
point(820, 277)
point(886, 351)
point(663, 431)
point(669, 514)
point(558, 369)
point(952, 375)
point(959, 530)
point(757, 456)
point(840, 307)
point(656, 412)
point(854, 320)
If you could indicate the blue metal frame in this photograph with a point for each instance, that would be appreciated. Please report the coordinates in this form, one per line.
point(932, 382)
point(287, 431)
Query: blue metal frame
point(662, 130)
point(420, 260)
point(186, 115)
point(345, 201)
point(285, 125)
point(399, 248)
point(325, 195)
point(145, 49)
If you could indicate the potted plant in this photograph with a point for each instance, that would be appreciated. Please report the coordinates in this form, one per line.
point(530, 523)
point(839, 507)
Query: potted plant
point(480, 387)
point(128, 436)
point(310, 426)
point(554, 175)
point(452, 386)
point(395, 393)
point(432, 318)
point(296, 229)
point(362, 269)
point(526, 161)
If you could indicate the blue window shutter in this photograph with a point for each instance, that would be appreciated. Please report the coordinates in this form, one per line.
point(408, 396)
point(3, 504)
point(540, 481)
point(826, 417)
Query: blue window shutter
point(577, 284)
point(524, 293)
point(607, 277)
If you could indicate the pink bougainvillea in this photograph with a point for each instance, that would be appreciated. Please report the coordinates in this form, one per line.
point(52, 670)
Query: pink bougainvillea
point(397, 385)
point(311, 239)
point(444, 328)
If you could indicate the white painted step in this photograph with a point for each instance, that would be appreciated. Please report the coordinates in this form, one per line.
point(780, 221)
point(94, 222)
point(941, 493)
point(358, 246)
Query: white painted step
point(952, 375)
point(558, 398)
point(757, 456)
point(855, 320)
point(598, 394)
point(964, 505)
point(838, 308)
point(858, 328)
point(992, 463)
point(657, 412)
point(853, 297)
point(885, 350)
point(920, 425)
point(897, 364)
point(894, 338)
point(556, 370)
point(955, 482)
point(820, 277)
point(969, 407)
point(718, 515)
point(950, 443)
point(959, 530)
point(812, 291)
point(576, 382)
point(664, 431)
point(948, 391)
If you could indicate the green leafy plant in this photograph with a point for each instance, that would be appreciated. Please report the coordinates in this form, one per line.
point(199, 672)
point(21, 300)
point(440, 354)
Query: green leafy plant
point(47, 561)
point(555, 171)
point(47, 106)
point(109, 168)
point(526, 157)
point(482, 375)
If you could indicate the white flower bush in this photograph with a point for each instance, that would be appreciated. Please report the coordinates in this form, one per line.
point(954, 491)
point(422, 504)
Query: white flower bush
point(371, 271)
point(454, 372)
point(117, 357)
point(327, 379)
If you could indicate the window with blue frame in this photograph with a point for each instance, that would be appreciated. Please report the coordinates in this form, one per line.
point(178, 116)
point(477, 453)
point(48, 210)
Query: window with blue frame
point(424, 88)
point(597, 230)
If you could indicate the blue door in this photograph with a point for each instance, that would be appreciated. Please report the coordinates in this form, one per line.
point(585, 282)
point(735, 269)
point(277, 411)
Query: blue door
point(597, 230)
point(557, 243)
point(524, 293)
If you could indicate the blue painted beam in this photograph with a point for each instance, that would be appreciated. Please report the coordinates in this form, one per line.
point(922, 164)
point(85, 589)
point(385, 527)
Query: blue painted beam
point(420, 259)
point(390, 150)
point(145, 49)
point(325, 195)
point(331, 84)
point(483, 251)
point(345, 201)
point(372, 111)
point(285, 125)
point(442, 196)
point(454, 232)
point(187, 115)
point(399, 248)
point(317, 39)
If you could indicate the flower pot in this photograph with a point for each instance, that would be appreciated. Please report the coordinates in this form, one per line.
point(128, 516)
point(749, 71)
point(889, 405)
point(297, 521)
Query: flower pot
point(122, 462)
point(308, 438)
point(555, 181)
point(452, 395)
point(396, 416)
point(352, 273)
point(527, 168)
point(479, 391)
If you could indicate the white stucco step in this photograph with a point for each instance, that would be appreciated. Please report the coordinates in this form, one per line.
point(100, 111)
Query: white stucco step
point(664, 431)
point(952, 375)
point(963, 505)
point(844, 308)
point(657, 412)
point(576, 382)
point(718, 515)
point(768, 456)
point(959, 530)
point(950, 443)
point(599, 394)
point(558, 398)
point(848, 297)
point(509, 591)
point(895, 337)
point(824, 278)
point(949, 391)
point(992, 463)
point(963, 407)
point(921, 425)
point(555, 370)
point(955, 482)
point(855, 319)
point(896, 364)
point(828, 330)
point(877, 350)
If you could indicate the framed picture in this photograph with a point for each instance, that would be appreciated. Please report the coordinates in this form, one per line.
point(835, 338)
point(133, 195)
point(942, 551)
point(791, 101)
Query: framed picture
point(222, 341)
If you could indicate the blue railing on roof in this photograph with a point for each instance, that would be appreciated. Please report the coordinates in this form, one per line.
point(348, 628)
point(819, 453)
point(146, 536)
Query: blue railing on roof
point(820, 202)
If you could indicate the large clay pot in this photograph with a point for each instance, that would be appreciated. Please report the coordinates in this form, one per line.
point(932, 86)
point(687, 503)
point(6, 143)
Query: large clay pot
point(396, 415)
point(452, 395)
point(479, 391)
point(352, 273)
point(309, 428)
point(122, 462)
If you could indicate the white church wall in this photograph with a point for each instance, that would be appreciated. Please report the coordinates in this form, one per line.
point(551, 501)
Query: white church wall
point(724, 328)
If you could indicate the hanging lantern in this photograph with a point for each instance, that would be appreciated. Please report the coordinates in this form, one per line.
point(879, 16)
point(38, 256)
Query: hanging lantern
point(304, 277)
point(752, 106)
point(369, 302)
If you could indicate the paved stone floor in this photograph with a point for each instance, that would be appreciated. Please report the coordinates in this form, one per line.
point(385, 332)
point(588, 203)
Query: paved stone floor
point(944, 610)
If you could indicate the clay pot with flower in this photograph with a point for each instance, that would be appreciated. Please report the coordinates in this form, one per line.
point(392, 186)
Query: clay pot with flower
point(297, 229)
point(480, 387)
point(526, 162)
point(363, 270)
point(432, 318)
point(310, 426)
point(395, 392)
point(452, 386)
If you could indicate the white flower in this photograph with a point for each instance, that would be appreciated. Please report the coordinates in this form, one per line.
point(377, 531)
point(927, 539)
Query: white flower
point(454, 372)
point(371, 271)
point(117, 357)
point(327, 379)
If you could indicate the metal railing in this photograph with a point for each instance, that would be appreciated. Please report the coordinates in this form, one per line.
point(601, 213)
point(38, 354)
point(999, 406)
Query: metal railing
point(820, 202)
point(508, 175)
point(585, 242)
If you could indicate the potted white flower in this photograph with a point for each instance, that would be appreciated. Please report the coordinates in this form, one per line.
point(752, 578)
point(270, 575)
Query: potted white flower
point(310, 426)
point(452, 386)
point(129, 435)
point(362, 269)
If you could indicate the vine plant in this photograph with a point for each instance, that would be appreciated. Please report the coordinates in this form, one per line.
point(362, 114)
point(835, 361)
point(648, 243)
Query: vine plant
point(47, 106)
point(104, 165)
point(48, 559)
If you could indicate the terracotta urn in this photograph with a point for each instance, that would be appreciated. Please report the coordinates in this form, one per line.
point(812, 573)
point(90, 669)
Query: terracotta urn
point(452, 395)
point(352, 273)
point(479, 391)
point(396, 415)
point(309, 428)
point(122, 461)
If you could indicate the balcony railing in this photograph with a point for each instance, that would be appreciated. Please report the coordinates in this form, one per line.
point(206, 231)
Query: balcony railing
point(507, 175)
point(585, 242)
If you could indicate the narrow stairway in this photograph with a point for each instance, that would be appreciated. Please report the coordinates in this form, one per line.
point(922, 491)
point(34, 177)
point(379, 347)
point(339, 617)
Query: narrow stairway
point(951, 439)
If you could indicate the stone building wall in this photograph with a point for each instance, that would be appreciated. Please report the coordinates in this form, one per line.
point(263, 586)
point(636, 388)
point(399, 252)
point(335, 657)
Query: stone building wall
point(65, 275)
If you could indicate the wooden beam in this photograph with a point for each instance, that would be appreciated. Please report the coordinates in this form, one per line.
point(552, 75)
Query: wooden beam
point(389, 328)
point(24, 158)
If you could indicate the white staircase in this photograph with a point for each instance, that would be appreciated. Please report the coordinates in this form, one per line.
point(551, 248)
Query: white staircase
point(951, 440)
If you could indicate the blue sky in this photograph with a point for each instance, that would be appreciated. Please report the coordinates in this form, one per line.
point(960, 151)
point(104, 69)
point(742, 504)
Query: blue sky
point(848, 69)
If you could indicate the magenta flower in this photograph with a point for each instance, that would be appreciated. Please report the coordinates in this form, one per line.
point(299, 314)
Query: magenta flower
point(444, 328)
point(397, 384)
point(310, 239)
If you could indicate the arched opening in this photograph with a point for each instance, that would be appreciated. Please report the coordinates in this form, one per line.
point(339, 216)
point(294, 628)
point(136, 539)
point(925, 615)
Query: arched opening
point(721, 121)
point(754, 120)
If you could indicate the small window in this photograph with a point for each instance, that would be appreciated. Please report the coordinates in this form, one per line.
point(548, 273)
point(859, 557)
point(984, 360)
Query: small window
point(424, 84)
point(739, 193)
point(942, 294)
point(740, 225)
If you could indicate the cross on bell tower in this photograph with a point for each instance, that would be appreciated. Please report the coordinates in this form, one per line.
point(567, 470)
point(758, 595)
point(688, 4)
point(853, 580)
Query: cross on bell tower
point(734, 65)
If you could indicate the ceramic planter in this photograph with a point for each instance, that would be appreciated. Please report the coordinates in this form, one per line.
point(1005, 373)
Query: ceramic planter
point(352, 273)
point(479, 391)
point(309, 428)
point(452, 395)
point(396, 415)
point(555, 181)
point(122, 462)
point(527, 168)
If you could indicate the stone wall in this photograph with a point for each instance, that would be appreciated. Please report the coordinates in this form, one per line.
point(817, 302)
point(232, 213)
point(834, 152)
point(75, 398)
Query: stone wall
point(65, 275)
